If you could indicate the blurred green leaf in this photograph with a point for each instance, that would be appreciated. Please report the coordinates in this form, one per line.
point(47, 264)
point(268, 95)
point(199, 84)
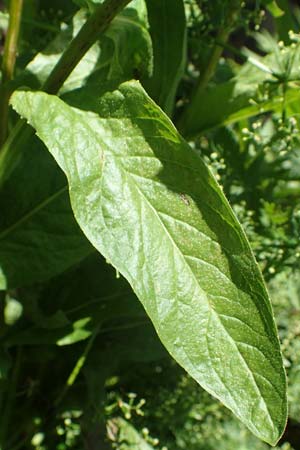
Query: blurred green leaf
point(274, 9)
point(168, 32)
point(39, 236)
point(87, 296)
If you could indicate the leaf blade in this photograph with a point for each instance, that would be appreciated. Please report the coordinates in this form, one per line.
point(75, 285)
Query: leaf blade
point(149, 204)
point(168, 31)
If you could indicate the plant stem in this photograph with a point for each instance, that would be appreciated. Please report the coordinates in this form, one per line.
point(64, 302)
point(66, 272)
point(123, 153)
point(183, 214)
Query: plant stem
point(94, 26)
point(208, 72)
point(10, 399)
point(78, 366)
point(97, 23)
point(9, 61)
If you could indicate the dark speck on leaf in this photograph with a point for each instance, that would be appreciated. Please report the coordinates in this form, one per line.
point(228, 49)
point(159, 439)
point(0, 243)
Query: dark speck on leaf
point(185, 199)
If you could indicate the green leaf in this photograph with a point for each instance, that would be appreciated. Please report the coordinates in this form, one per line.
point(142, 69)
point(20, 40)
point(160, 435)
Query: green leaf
point(274, 9)
point(286, 21)
point(168, 32)
point(130, 54)
point(42, 64)
point(148, 203)
point(79, 333)
point(124, 51)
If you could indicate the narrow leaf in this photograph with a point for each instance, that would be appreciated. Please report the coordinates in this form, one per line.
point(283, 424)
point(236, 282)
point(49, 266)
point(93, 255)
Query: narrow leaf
point(128, 44)
point(168, 32)
point(148, 203)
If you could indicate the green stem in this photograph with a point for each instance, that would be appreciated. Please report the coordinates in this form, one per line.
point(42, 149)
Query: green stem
point(97, 23)
point(10, 399)
point(9, 61)
point(94, 26)
point(77, 368)
point(208, 72)
point(215, 55)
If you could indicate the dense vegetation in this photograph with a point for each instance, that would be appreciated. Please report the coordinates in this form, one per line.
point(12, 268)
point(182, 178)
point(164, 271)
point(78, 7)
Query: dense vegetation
point(118, 247)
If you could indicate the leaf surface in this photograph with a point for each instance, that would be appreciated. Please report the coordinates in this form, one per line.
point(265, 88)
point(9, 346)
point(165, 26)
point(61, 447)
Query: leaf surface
point(149, 204)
